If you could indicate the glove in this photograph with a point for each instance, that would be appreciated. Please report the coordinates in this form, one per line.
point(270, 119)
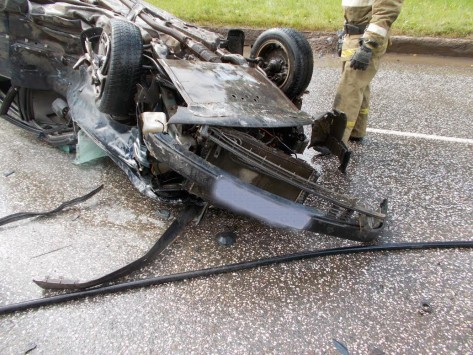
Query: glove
point(361, 58)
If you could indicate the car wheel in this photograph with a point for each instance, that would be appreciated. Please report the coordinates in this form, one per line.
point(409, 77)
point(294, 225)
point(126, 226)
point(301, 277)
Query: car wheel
point(287, 59)
point(116, 67)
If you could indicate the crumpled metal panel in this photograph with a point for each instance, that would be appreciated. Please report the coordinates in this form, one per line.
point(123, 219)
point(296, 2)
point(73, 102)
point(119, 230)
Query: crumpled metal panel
point(114, 138)
point(230, 95)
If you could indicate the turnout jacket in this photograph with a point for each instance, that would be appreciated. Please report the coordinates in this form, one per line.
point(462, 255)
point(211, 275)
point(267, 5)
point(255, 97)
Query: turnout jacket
point(378, 15)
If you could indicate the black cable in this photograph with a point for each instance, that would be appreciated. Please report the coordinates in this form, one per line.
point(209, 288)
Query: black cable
point(23, 215)
point(227, 269)
point(8, 100)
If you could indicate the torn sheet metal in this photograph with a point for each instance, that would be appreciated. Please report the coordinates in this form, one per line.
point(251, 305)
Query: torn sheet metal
point(229, 95)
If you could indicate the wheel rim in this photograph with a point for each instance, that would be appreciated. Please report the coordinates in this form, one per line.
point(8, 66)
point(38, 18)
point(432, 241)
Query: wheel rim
point(99, 59)
point(103, 52)
point(276, 61)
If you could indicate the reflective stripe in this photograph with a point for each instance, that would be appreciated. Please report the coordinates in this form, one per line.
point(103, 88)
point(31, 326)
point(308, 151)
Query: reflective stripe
point(348, 53)
point(357, 3)
point(364, 111)
point(351, 123)
point(377, 29)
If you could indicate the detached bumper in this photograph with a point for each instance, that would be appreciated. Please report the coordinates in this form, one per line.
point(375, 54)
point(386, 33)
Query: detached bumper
point(224, 190)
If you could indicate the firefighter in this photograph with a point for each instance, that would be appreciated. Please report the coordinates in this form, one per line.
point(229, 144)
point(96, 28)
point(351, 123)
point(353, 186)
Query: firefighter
point(367, 25)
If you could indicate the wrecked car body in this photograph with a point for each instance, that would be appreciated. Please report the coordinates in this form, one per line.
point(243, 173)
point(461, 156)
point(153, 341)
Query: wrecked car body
point(178, 108)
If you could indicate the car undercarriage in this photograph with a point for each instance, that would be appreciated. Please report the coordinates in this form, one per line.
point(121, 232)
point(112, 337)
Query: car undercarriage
point(179, 109)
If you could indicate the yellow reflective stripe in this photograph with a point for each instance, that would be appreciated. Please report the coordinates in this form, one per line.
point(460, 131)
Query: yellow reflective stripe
point(348, 53)
point(364, 111)
point(351, 123)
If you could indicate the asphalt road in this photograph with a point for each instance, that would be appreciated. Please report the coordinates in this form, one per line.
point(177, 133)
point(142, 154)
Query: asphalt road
point(418, 154)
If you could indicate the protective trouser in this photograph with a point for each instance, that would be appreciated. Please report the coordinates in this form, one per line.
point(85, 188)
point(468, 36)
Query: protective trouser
point(353, 92)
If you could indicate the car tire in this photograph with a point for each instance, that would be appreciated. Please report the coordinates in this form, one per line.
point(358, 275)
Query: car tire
point(287, 59)
point(121, 69)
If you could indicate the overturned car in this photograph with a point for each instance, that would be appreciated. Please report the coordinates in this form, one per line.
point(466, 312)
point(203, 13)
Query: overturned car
point(178, 108)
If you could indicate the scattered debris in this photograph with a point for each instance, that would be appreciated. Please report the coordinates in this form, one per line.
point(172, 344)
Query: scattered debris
point(31, 347)
point(340, 347)
point(166, 214)
point(426, 308)
point(24, 215)
point(226, 238)
point(167, 238)
point(52, 251)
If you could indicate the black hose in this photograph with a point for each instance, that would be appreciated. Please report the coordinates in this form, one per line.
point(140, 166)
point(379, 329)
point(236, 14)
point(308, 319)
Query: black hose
point(32, 126)
point(24, 215)
point(228, 268)
point(62, 139)
point(8, 100)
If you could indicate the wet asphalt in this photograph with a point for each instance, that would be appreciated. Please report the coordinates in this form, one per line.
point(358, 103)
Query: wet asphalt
point(399, 302)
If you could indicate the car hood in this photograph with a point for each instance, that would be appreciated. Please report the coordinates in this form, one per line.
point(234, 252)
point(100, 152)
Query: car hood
point(230, 95)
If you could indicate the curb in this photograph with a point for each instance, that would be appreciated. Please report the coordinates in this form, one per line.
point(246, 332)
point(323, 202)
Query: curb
point(325, 42)
point(449, 47)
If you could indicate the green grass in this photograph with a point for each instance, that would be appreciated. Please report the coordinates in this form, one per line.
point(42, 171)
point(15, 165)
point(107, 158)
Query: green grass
point(447, 18)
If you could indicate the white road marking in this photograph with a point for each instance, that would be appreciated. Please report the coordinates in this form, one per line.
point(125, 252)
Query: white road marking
point(422, 136)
